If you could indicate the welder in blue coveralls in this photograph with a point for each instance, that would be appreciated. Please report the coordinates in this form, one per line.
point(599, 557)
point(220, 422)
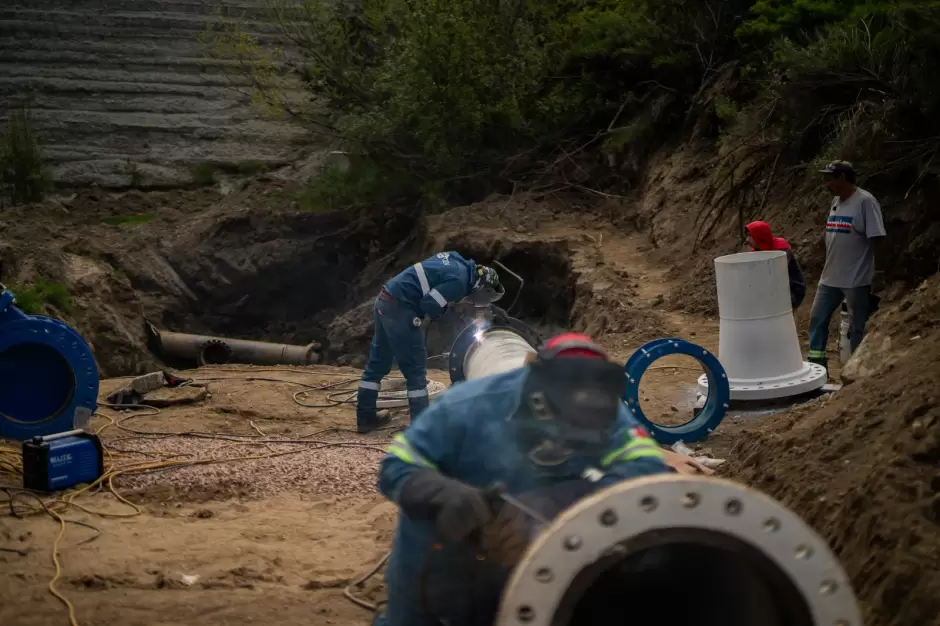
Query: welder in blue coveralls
point(424, 289)
point(556, 426)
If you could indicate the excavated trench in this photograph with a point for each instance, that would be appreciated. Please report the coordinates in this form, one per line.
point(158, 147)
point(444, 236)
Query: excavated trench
point(302, 278)
point(283, 277)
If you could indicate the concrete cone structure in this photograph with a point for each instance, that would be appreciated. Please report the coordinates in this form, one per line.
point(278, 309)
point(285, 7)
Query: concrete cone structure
point(758, 345)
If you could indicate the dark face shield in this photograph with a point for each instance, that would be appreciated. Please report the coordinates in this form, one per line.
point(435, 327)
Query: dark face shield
point(569, 406)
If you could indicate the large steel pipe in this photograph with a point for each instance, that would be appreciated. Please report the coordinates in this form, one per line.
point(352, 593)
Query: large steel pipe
point(691, 551)
point(218, 350)
point(480, 351)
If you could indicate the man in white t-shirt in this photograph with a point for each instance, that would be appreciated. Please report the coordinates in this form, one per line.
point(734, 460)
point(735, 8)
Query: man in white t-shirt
point(852, 226)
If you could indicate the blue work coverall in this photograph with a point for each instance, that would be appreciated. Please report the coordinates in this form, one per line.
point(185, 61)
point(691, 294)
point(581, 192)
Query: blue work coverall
point(466, 435)
point(424, 289)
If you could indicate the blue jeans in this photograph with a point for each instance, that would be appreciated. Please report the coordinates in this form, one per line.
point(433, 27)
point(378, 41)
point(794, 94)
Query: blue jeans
point(396, 338)
point(826, 303)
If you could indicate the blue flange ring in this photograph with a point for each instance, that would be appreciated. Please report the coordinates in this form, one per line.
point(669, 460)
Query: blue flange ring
point(719, 391)
point(48, 378)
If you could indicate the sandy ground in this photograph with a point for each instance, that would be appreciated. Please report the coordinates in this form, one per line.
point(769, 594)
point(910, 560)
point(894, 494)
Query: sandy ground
point(269, 537)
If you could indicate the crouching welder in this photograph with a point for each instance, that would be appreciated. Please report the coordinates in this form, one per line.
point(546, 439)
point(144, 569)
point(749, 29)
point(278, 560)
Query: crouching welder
point(555, 429)
point(424, 289)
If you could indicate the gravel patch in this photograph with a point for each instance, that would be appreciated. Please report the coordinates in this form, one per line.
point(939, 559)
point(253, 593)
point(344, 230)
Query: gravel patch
point(321, 470)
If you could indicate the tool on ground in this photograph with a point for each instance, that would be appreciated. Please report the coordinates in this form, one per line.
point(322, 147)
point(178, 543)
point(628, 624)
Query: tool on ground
point(48, 376)
point(63, 460)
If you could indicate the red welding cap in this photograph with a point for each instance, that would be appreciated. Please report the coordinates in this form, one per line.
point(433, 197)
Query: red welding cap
point(573, 345)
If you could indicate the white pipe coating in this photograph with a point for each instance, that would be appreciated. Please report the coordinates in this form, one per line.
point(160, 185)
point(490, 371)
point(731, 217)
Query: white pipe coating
point(758, 344)
point(495, 352)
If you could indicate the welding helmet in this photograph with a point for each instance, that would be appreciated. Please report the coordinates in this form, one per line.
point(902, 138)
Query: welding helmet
point(486, 286)
point(570, 401)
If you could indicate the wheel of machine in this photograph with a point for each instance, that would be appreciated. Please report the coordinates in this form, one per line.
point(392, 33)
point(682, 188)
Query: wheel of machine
point(716, 405)
point(48, 378)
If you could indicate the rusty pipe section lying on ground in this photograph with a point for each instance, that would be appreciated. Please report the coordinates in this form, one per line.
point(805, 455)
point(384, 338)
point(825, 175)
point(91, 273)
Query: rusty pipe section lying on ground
point(218, 350)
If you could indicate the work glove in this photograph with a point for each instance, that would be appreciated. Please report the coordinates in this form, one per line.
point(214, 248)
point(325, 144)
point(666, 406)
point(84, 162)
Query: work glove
point(505, 539)
point(684, 464)
point(457, 508)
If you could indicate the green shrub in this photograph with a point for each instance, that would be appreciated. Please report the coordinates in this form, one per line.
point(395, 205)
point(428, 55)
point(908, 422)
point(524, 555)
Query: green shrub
point(203, 174)
point(33, 299)
point(438, 92)
point(22, 177)
point(250, 168)
point(451, 99)
point(135, 175)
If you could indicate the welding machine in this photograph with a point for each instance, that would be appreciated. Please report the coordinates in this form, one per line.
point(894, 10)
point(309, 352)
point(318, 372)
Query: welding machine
point(62, 460)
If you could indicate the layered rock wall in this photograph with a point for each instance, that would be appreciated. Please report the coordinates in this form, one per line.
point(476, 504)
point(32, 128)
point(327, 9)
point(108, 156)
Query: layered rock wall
point(117, 86)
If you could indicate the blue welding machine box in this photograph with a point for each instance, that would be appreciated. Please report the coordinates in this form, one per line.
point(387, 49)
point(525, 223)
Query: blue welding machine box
point(62, 460)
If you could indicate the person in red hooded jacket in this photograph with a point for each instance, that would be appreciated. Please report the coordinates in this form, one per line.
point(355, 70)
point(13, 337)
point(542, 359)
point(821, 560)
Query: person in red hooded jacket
point(760, 237)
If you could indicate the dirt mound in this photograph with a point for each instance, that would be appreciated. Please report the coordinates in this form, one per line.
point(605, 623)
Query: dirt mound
point(863, 467)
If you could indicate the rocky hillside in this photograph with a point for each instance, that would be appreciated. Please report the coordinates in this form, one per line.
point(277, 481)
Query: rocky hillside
point(121, 90)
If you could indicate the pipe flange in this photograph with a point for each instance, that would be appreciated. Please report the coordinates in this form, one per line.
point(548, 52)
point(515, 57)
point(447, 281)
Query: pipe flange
point(809, 377)
point(606, 523)
point(716, 387)
point(214, 352)
point(52, 386)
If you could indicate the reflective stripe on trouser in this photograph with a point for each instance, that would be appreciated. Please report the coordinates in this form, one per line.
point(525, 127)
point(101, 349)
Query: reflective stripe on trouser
point(396, 338)
point(418, 399)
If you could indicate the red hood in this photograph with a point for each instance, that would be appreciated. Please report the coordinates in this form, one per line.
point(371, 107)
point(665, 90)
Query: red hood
point(764, 238)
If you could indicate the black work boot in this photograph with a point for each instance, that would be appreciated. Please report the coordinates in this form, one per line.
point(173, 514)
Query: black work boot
point(382, 418)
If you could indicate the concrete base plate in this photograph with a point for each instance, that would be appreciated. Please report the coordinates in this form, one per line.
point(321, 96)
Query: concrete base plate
point(807, 378)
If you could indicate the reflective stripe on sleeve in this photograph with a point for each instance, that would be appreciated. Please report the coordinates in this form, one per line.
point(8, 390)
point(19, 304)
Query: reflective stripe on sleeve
point(402, 449)
point(422, 278)
point(441, 302)
point(637, 447)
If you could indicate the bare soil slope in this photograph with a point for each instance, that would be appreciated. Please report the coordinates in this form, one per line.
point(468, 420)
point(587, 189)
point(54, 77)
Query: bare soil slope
point(863, 468)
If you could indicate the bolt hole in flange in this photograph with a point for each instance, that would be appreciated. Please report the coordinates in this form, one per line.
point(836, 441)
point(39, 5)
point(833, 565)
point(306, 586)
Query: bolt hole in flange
point(687, 577)
point(695, 551)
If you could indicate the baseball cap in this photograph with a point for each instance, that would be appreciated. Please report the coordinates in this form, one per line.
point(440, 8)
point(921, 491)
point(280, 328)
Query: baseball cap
point(838, 167)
